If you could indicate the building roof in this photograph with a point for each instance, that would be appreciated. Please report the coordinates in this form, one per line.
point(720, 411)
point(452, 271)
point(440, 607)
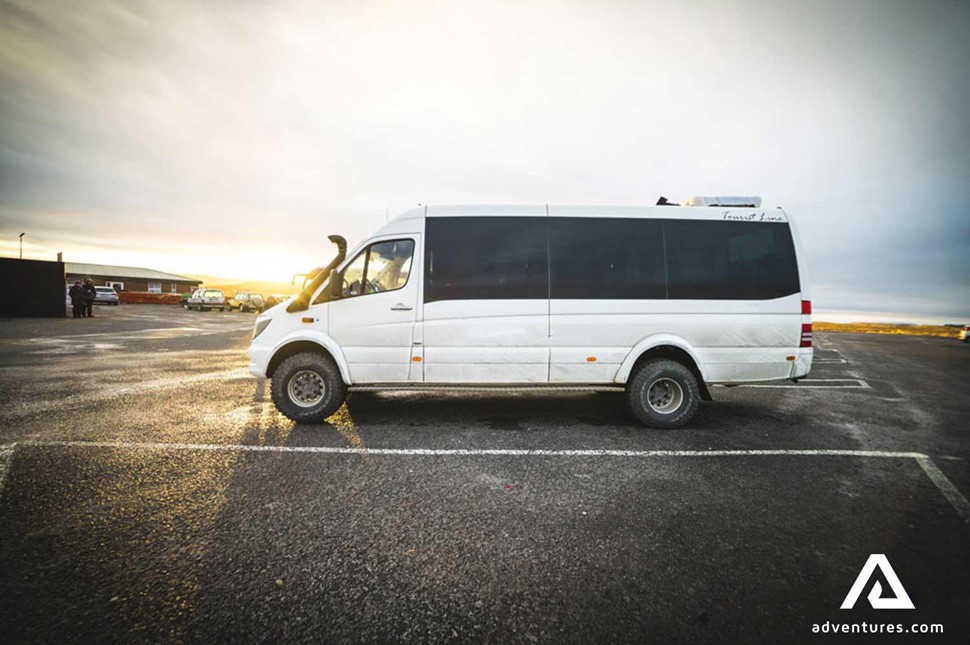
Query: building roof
point(133, 273)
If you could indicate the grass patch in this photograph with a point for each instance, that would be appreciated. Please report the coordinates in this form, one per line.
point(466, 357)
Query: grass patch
point(888, 328)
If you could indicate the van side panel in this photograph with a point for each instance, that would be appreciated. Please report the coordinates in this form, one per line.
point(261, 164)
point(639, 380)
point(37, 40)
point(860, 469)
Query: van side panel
point(732, 340)
point(486, 341)
point(486, 308)
point(723, 284)
point(725, 288)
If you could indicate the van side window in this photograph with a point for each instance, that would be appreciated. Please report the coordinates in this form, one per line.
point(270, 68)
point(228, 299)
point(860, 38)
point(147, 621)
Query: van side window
point(606, 258)
point(383, 266)
point(486, 258)
point(713, 260)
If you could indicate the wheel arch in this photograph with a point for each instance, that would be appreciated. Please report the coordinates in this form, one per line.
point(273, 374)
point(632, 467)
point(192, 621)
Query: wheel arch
point(297, 346)
point(669, 347)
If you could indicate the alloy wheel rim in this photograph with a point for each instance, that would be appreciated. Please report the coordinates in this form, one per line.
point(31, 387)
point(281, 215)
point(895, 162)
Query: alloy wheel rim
point(665, 395)
point(306, 388)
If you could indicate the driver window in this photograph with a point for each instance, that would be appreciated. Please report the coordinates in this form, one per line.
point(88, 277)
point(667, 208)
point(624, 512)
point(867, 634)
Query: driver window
point(384, 266)
point(388, 265)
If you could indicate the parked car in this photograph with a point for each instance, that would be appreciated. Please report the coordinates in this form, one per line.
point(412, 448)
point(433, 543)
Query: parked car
point(106, 296)
point(658, 301)
point(245, 301)
point(204, 299)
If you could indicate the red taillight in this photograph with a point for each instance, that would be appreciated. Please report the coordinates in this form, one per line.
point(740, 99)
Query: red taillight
point(806, 335)
point(806, 307)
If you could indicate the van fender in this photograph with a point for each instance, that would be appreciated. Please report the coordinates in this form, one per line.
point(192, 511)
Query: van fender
point(648, 343)
point(322, 339)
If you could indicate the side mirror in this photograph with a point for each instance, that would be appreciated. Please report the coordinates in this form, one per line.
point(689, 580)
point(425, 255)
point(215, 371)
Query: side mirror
point(334, 287)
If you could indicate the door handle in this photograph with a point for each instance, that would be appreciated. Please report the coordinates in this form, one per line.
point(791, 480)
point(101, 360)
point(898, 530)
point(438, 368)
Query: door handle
point(401, 307)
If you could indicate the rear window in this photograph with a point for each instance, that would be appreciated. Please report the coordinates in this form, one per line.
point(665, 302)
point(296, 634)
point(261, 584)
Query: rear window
point(709, 260)
point(105, 289)
point(212, 293)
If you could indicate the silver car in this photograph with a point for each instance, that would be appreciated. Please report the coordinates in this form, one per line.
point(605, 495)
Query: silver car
point(203, 299)
point(106, 296)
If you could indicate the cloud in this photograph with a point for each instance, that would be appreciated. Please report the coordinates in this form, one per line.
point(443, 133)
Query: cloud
point(268, 125)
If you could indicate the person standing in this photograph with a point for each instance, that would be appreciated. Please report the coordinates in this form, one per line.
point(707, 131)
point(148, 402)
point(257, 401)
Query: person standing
point(78, 301)
point(90, 295)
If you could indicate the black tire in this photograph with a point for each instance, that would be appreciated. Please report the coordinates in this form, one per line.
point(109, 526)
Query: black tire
point(677, 390)
point(332, 397)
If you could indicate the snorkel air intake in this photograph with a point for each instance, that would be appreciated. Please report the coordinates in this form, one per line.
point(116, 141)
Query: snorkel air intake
point(302, 301)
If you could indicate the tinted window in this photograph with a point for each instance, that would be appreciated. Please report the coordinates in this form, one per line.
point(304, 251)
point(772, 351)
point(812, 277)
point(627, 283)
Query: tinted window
point(482, 258)
point(599, 258)
point(729, 260)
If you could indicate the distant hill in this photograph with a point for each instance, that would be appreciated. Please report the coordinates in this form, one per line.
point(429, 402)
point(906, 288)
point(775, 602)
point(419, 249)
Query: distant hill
point(231, 285)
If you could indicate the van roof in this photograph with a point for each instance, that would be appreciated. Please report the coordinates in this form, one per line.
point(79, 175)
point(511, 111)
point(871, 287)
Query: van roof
point(739, 213)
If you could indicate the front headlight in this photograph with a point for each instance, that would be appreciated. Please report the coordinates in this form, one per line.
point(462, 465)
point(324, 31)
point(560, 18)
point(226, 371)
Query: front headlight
point(261, 324)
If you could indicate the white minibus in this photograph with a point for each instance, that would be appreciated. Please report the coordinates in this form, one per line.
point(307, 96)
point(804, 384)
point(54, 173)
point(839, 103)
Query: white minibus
point(661, 301)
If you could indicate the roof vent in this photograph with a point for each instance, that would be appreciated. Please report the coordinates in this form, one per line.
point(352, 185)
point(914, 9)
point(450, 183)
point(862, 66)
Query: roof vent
point(720, 200)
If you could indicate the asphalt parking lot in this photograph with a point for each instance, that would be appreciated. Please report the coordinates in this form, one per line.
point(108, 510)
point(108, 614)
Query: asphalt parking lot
point(149, 490)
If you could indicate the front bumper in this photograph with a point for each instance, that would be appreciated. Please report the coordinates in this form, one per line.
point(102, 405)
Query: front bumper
point(259, 357)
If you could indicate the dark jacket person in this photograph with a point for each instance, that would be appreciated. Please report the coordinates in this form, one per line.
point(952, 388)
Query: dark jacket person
point(78, 301)
point(90, 295)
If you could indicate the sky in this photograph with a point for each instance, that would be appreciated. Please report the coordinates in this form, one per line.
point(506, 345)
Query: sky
point(230, 138)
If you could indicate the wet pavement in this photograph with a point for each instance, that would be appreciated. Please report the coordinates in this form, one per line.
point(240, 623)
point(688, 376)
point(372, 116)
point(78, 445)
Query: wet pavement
point(152, 492)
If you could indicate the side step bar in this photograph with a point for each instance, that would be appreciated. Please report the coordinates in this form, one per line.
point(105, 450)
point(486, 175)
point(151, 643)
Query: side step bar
point(484, 387)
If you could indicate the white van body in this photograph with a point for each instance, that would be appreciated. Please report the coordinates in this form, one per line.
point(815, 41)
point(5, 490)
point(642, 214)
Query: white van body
point(458, 315)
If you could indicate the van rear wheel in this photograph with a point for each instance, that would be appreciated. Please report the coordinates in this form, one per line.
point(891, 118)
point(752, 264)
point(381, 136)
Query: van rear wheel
point(663, 394)
point(307, 387)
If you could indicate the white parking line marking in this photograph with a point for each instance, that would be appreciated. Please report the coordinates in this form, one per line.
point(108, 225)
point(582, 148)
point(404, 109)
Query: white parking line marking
point(6, 455)
point(954, 496)
point(940, 480)
point(822, 361)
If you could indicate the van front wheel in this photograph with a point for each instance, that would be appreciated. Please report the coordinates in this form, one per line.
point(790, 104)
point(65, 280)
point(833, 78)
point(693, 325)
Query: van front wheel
point(663, 394)
point(308, 388)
